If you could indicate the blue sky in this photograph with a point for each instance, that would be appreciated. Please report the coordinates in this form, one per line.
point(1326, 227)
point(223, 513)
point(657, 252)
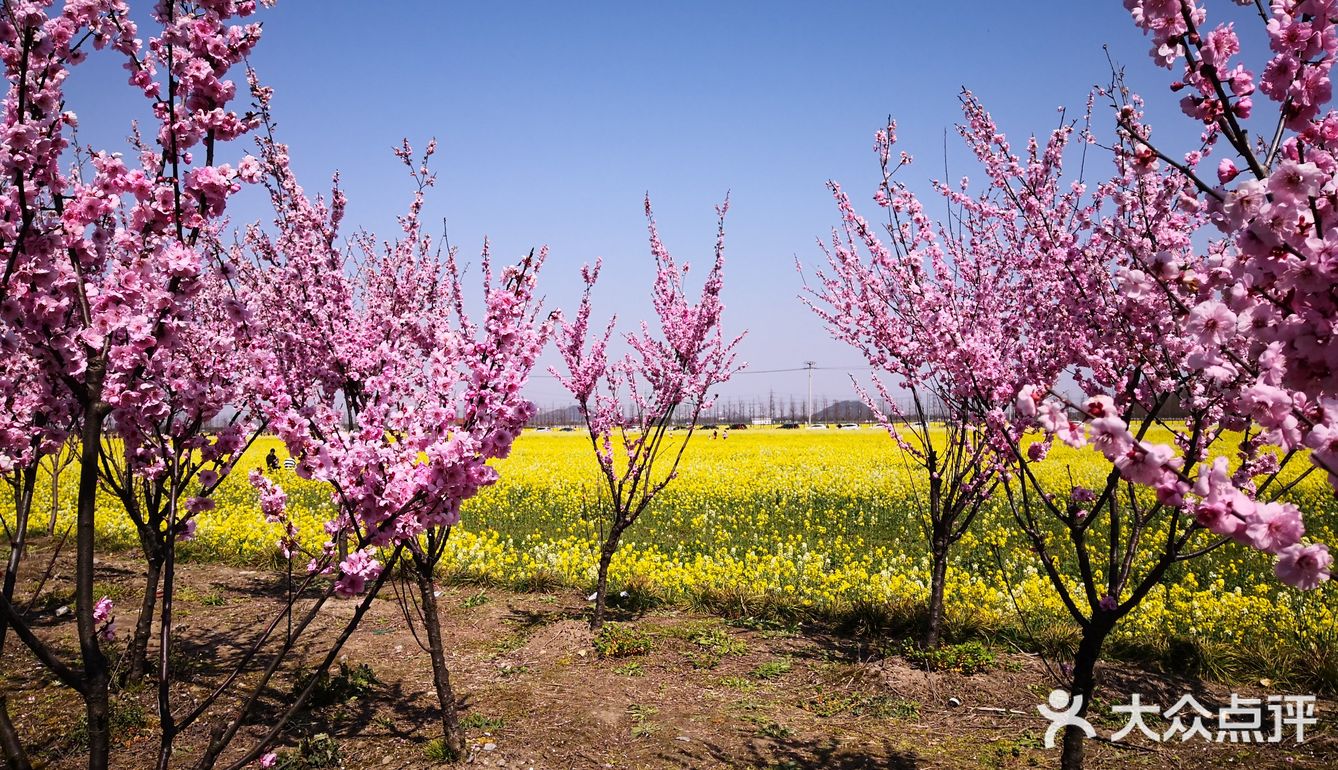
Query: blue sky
point(554, 118)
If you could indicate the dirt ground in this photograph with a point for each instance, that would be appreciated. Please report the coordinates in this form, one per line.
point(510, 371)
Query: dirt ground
point(536, 694)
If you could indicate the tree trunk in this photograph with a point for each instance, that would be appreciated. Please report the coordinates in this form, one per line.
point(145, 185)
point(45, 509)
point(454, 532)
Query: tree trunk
point(452, 735)
point(1084, 686)
point(138, 651)
point(938, 569)
point(10, 745)
point(12, 748)
point(22, 508)
point(55, 496)
point(602, 585)
point(96, 675)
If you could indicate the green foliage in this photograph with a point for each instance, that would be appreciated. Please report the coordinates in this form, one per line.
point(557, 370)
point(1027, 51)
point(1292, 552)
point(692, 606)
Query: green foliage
point(772, 669)
point(476, 721)
point(642, 726)
point(717, 641)
point(966, 658)
point(437, 751)
point(318, 751)
point(351, 682)
point(862, 705)
point(742, 684)
point(616, 640)
point(633, 668)
point(475, 600)
point(775, 731)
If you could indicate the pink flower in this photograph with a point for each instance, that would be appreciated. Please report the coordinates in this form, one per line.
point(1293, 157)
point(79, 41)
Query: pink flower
point(1304, 566)
point(1274, 527)
point(1100, 406)
point(269, 760)
point(1111, 436)
point(102, 616)
point(102, 610)
point(1053, 416)
point(249, 170)
point(1294, 184)
point(1146, 463)
point(355, 571)
point(1212, 322)
point(1027, 399)
point(1217, 518)
point(1073, 433)
point(1226, 170)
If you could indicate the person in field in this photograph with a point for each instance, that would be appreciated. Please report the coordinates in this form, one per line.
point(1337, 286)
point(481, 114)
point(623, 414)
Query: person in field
point(272, 460)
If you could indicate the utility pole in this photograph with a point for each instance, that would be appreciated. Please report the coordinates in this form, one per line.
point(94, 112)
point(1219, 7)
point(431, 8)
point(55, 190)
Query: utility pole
point(809, 365)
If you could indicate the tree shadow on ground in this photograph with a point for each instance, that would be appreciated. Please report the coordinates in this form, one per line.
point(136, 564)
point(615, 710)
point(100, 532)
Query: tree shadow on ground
point(818, 754)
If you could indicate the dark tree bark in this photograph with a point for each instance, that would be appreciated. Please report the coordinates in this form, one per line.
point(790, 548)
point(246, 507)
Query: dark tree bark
point(1084, 686)
point(938, 571)
point(452, 734)
point(96, 674)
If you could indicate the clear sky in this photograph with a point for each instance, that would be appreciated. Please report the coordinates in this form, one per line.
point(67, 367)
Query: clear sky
point(555, 118)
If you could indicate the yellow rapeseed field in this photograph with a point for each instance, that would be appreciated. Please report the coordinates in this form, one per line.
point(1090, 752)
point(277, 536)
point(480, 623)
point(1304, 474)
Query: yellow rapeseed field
point(783, 524)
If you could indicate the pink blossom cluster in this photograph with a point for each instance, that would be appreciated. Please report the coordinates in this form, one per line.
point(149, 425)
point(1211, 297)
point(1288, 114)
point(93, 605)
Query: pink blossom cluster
point(636, 395)
point(932, 309)
point(1273, 200)
point(106, 300)
point(104, 619)
point(274, 507)
point(1040, 283)
point(376, 378)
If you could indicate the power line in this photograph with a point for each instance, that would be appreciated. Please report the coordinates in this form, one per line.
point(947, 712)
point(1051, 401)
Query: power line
point(778, 371)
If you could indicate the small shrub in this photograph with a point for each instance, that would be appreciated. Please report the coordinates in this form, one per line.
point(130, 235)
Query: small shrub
point(718, 642)
point(966, 658)
point(320, 750)
point(633, 668)
point(351, 682)
point(620, 641)
point(772, 669)
point(641, 724)
point(477, 600)
point(739, 683)
point(437, 751)
point(476, 721)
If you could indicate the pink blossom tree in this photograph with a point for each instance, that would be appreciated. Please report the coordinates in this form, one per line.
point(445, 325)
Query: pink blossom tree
point(1140, 349)
point(94, 301)
point(385, 388)
point(164, 464)
point(1123, 288)
point(928, 309)
point(629, 404)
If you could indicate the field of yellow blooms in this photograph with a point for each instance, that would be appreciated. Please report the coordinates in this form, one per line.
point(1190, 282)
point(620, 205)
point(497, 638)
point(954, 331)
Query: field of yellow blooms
point(773, 523)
